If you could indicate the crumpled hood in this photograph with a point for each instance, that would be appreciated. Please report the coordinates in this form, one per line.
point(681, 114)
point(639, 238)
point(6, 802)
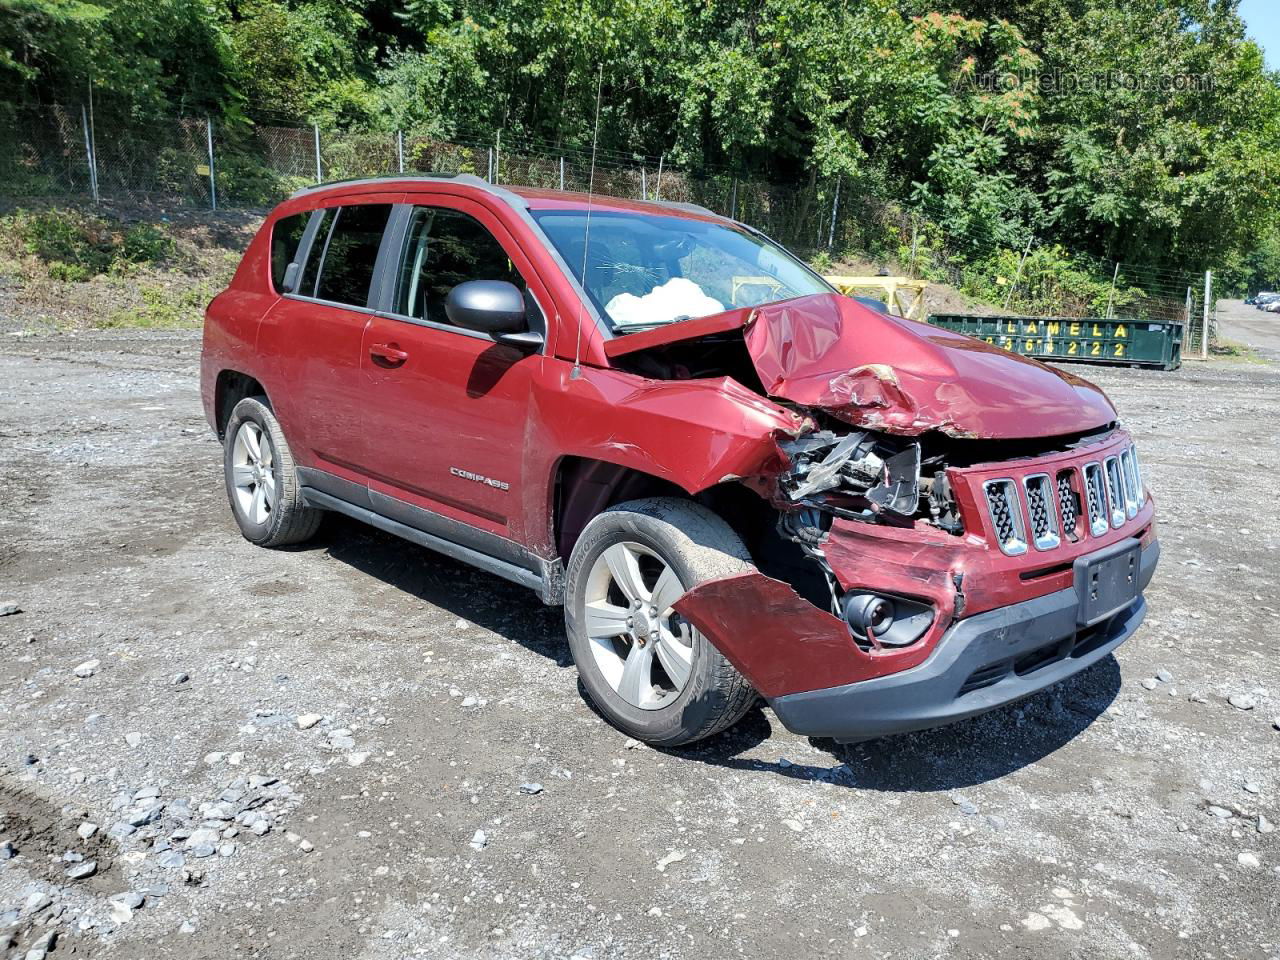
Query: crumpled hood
point(906, 377)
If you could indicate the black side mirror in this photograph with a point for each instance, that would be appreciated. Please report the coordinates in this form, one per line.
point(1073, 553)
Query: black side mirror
point(488, 306)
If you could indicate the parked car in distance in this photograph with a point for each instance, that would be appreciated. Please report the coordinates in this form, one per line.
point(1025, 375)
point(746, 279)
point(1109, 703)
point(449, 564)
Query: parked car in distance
point(738, 483)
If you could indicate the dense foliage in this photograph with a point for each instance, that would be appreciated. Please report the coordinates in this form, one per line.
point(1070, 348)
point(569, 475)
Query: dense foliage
point(1175, 162)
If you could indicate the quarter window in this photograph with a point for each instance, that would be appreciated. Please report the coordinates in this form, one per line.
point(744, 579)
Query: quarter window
point(346, 271)
point(443, 249)
point(286, 236)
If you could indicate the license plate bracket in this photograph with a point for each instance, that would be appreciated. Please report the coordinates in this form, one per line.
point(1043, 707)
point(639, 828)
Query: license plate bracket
point(1107, 581)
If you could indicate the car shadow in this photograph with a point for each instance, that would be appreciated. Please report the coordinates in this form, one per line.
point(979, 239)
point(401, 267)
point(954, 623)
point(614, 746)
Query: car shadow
point(478, 597)
point(962, 754)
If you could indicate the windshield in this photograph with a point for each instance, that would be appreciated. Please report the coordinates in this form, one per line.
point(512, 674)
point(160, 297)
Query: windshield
point(644, 270)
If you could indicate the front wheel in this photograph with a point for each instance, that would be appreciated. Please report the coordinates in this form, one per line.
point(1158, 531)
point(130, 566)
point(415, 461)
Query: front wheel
point(647, 669)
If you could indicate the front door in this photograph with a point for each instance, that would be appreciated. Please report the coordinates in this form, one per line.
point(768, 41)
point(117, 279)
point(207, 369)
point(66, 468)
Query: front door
point(447, 408)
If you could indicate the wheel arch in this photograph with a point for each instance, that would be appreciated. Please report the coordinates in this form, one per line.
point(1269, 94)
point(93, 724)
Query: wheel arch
point(230, 387)
point(584, 487)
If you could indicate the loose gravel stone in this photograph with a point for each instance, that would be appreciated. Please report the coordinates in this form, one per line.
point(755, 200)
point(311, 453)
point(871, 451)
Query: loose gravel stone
point(87, 669)
point(308, 720)
point(170, 859)
point(82, 871)
point(1164, 676)
point(1247, 860)
point(479, 840)
point(8, 851)
point(86, 830)
point(9, 609)
point(530, 788)
point(1242, 701)
point(133, 738)
point(1149, 683)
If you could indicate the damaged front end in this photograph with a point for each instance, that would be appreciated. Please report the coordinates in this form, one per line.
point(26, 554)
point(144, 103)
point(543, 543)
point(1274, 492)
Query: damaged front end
point(867, 476)
point(909, 501)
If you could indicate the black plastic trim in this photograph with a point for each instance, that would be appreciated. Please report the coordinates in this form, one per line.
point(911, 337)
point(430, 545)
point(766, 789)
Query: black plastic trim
point(939, 692)
point(335, 486)
point(490, 564)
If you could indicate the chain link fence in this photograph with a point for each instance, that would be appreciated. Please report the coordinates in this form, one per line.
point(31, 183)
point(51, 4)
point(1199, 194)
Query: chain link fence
point(65, 154)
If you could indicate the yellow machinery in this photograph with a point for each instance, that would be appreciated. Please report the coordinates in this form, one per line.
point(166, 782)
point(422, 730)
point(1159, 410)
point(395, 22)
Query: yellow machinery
point(904, 296)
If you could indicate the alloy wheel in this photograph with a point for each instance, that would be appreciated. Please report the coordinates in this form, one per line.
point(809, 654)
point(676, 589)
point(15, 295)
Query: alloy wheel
point(253, 472)
point(641, 645)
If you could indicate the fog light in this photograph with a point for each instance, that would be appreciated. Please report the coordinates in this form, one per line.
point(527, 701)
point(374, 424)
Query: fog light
point(869, 613)
point(877, 620)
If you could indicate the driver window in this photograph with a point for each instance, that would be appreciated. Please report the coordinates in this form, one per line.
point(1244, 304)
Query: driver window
point(443, 249)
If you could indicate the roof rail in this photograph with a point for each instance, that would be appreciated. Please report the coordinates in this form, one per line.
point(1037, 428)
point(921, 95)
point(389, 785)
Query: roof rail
point(688, 207)
point(468, 178)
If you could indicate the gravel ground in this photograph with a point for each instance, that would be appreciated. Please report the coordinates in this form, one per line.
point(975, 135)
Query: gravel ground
point(361, 749)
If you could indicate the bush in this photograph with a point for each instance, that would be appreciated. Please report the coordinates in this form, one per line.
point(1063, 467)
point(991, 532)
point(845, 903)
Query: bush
point(79, 246)
point(146, 243)
point(75, 247)
point(165, 308)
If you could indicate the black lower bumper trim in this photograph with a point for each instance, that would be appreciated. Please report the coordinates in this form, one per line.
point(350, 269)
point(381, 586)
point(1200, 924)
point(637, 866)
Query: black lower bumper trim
point(981, 663)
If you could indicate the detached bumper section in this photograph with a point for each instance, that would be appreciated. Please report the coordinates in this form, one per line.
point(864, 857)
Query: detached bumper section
point(980, 663)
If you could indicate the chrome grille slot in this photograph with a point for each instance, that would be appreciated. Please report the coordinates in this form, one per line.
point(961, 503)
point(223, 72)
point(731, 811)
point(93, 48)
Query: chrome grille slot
point(1097, 499)
point(1115, 491)
point(1006, 516)
point(1132, 488)
point(1040, 507)
point(1068, 505)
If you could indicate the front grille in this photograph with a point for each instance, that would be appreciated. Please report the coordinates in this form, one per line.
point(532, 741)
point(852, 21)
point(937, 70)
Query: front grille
point(1068, 505)
point(1006, 516)
point(1115, 491)
point(1044, 518)
point(1132, 487)
point(1097, 499)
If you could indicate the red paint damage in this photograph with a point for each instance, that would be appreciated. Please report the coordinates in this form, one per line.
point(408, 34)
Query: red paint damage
point(784, 644)
point(899, 376)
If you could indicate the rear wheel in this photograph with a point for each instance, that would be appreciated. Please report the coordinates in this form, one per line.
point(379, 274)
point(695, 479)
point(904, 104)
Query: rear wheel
point(262, 484)
point(646, 668)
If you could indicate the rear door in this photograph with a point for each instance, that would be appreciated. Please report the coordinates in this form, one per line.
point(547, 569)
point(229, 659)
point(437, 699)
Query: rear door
point(315, 335)
point(447, 408)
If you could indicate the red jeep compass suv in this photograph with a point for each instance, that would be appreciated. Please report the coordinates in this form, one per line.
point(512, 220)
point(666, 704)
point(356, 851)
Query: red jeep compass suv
point(735, 480)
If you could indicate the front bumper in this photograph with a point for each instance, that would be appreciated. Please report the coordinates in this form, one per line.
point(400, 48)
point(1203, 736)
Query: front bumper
point(980, 663)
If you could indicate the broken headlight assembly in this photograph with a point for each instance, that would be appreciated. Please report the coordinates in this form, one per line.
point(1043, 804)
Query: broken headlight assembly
point(868, 476)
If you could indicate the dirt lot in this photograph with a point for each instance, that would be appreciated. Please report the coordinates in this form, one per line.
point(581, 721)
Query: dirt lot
point(1100, 819)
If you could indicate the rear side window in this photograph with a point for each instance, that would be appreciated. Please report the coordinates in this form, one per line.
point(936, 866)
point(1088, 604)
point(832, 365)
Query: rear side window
point(286, 236)
point(346, 272)
point(307, 284)
point(445, 248)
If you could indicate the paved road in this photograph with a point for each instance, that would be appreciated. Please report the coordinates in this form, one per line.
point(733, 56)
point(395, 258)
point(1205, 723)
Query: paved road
point(1245, 324)
point(1101, 819)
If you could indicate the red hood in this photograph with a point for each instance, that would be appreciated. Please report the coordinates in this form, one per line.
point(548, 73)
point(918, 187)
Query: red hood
point(900, 376)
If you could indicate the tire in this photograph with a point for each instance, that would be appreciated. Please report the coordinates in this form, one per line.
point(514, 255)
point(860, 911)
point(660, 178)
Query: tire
point(696, 546)
point(286, 519)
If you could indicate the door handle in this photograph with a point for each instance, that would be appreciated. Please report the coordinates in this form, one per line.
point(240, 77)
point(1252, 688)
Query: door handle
point(389, 353)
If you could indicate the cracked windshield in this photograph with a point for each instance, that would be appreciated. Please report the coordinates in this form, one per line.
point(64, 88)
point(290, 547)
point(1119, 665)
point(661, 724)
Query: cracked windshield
point(645, 270)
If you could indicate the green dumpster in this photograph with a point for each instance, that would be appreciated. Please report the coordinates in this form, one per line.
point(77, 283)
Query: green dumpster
point(1114, 340)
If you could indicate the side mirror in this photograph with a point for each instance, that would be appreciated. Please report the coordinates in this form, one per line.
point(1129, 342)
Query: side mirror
point(489, 306)
point(526, 341)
